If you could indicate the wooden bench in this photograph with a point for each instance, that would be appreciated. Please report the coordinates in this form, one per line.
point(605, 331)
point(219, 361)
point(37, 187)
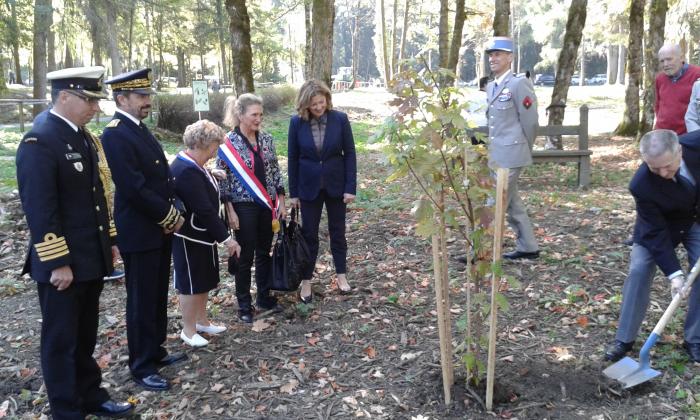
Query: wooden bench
point(581, 155)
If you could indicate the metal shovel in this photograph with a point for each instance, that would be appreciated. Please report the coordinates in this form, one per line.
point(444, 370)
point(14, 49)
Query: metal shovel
point(631, 373)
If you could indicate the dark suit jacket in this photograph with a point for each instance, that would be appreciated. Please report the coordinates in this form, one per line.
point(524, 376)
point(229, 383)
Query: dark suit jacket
point(64, 202)
point(199, 200)
point(665, 210)
point(145, 191)
point(336, 164)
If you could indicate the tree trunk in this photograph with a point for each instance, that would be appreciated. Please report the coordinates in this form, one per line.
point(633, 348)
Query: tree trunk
point(42, 22)
point(355, 46)
point(113, 38)
point(630, 118)
point(222, 41)
point(92, 16)
point(149, 41)
point(565, 67)
point(393, 36)
point(613, 52)
point(501, 18)
point(309, 36)
point(654, 41)
point(14, 39)
point(456, 42)
point(51, 47)
point(181, 68)
point(582, 59)
point(239, 26)
point(622, 65)
point(444, 34)
point(323, 15)
point(68, 57)
point(382, 34)
point(131, 35)
point(3, 82)
point(404, 31)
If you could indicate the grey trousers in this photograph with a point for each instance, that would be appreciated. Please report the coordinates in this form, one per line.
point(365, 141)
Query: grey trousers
point(635, 292)
point(517, 215)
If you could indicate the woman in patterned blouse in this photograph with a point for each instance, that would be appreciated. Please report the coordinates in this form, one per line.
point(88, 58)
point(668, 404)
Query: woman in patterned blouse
point(252, 219)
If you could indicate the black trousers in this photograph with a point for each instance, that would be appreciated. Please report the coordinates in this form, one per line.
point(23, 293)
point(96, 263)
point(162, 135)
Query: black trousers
point(311, 219)
point(255, 238)
point(147, 284)
point(68, 337)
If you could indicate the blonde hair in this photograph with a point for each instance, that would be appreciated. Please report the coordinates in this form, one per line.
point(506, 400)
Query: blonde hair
point(235, 107)
point(307, 92)
point(201, 134)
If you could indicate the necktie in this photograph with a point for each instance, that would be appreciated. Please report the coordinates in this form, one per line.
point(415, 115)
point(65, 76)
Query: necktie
point(495, 88)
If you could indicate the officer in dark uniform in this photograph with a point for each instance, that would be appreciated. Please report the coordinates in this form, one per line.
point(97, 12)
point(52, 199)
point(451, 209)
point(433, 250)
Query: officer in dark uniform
point(72, 242)
point(146, 218)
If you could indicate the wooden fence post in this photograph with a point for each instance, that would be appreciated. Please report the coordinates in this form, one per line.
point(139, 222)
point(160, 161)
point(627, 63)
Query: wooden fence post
point(584, 170)
point(21, 116)
point(501, 195)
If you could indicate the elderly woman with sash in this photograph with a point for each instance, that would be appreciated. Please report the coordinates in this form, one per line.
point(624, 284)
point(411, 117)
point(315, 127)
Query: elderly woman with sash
point(195, 257)
point(253, 194)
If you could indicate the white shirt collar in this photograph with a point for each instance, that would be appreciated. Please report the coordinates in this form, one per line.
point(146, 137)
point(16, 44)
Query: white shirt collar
point(131, 117)
point(72, 125)
point(500, 79)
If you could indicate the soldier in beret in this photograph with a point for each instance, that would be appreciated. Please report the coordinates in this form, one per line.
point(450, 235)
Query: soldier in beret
point(72, 243)
point(512, 121)
point(146, 217)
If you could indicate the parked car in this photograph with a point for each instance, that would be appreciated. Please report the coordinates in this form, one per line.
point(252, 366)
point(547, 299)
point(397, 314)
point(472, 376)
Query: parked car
point(545, 80)
point(575, 80)
point(598, 79)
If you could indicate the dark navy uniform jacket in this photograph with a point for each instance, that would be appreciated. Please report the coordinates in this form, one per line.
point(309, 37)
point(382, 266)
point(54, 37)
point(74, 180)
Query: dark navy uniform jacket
point(665, 209)
point(198, 198)
point(64, 202)
point(144, 196)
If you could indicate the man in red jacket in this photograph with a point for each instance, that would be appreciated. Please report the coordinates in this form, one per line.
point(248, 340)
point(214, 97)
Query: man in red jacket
point(673, 87)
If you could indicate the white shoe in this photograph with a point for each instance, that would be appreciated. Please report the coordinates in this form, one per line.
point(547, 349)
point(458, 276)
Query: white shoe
point(196, 340)
point(211, 328)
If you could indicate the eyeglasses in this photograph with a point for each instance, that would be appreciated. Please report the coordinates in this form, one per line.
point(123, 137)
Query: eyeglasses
point(90, 101)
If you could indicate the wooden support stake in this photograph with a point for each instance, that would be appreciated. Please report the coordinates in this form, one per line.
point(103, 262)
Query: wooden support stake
point(443, 308)
point(501, 195)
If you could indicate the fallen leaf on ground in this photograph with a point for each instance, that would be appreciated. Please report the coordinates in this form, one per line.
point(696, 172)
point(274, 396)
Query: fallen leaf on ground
point(260, 325)
point(289, 387)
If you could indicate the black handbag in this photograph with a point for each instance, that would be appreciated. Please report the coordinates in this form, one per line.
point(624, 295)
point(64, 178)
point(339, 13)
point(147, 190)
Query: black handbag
point(290, 255)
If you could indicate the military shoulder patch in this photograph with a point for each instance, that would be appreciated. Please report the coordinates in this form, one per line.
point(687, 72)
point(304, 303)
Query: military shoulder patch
point(31, 140)
point(113, 123)
point(527, 102)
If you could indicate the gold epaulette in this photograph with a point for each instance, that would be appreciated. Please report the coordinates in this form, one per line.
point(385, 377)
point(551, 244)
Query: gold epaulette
point(170, 219)
point(115, 122)
point(112, 229)
point(53, 247)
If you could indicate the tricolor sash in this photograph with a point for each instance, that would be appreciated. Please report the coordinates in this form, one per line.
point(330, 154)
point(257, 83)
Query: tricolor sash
point(247, 178)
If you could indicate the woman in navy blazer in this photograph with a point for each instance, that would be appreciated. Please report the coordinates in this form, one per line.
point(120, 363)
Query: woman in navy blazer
point(195, 256)
point(322, 170)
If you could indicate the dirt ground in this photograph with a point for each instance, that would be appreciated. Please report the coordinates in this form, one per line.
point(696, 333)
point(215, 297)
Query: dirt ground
point(374, 353)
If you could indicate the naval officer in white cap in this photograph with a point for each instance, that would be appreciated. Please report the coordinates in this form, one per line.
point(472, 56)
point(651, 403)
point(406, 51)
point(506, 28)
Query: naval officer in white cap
point(72, 242)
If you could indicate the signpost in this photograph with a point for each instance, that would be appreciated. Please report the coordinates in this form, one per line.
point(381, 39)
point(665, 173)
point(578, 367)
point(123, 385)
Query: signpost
point(200, 96)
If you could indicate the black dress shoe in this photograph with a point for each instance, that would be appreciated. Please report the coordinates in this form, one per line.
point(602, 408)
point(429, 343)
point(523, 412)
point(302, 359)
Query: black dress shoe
point(113, 409)
point(171, 359)
point(693, 350)
point(617, 350)
point(520, 255)
point(246, 317)
point(153, 382)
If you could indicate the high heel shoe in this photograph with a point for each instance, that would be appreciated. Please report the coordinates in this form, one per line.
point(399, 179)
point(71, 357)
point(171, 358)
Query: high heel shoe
point(306, 299)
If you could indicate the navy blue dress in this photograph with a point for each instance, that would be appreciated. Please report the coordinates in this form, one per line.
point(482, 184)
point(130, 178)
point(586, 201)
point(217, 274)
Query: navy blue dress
point(195, 256)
